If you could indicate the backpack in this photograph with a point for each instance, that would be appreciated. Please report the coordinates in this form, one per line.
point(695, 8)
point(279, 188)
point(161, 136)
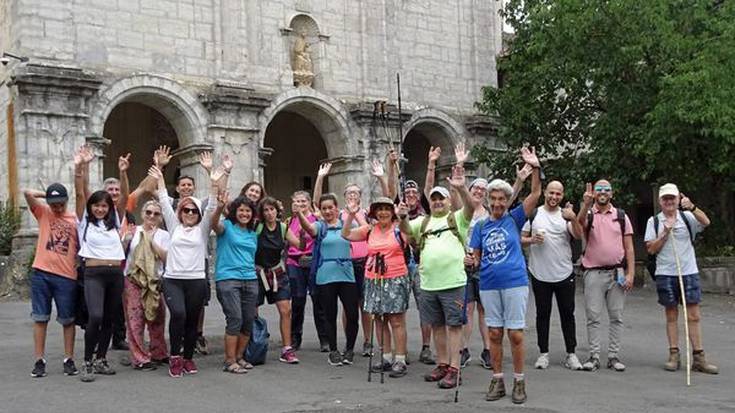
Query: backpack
point(260, 226)
point(316, 255)
point(451, 226)
point(651, 264)
point(257, 349)
point(405, 247)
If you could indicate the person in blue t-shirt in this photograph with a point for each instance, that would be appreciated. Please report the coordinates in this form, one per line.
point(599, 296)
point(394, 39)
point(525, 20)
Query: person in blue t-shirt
point(335, 278)
point(496, 244)
point(235, 277)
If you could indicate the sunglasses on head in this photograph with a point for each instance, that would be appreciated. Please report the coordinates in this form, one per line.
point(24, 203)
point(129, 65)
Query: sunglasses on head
point(154, 213)
point(190, 211)
point(603, 188)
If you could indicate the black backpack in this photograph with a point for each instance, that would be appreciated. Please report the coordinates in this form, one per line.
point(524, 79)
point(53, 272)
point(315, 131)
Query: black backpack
point(651, 264)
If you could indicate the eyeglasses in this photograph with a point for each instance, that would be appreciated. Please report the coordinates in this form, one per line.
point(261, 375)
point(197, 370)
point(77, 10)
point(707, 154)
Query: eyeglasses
point(154, 213)
point(603, 188)
point(190, 211)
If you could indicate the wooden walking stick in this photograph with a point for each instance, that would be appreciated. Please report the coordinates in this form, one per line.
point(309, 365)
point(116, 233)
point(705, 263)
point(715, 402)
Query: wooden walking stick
point(683, 305)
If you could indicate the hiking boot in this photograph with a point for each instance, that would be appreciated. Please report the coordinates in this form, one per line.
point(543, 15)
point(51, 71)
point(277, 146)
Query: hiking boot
point(101, 366)
point(201, 346)
point(572, 362)
point(190, 367)
point(425, 356)
point(324, 348)
point(348, 357)
point(399, 369)
point(615, 364)
point(334, 358)
point(485, 359)
point(39, 368)
point(147, 366)
point(367, 349)
point(519, 391)
point(496, 389)
point(542, 362)
point(69, 368)
point(451, 379)
point(438, 373)
point(176, 366)
point(378, 366)
point(592, 364)
point(700, 364)
point(464, 357)
point(87, 375)
point(674, 362)
point(288, 356)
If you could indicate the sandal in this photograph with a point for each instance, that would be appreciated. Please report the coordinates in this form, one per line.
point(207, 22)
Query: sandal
point(244, 364)
point(234, 368)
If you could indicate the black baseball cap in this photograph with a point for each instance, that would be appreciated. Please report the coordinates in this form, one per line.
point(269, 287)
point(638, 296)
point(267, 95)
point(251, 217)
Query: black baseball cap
point(56, 194)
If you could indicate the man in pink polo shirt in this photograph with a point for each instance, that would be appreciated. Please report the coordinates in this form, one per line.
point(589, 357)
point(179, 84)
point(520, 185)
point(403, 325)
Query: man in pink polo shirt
point(609, 264)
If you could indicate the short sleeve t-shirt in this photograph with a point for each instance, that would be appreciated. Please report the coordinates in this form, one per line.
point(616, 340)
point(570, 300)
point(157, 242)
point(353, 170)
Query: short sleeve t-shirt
point(160, 237)
point(336, 264)
point(270, 246)
point(98, 242)
point(502, 264)
point(550, 261)
point(236, 248)
point(295, 228)
point(57, 244)
point(665, 259)
point(385, 243)
point(442, 259)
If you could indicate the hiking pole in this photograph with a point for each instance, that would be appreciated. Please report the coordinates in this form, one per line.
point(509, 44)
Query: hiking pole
point(684, 306)
point(382, 328)
point(372, 341)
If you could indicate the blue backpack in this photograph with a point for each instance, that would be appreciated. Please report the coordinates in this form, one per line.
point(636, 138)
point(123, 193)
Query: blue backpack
point(316, 256)
point(257, 350)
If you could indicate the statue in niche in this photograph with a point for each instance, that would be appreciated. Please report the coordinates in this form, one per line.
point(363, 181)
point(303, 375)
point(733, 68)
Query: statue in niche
point(303, 68)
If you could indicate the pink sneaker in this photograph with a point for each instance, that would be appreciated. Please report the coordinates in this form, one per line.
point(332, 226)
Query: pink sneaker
point(190, 367)
point(288, 356)
point(175, 366)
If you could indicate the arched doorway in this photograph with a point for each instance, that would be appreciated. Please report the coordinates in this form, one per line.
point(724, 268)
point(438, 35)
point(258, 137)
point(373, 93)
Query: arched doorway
point(138, 129)
point(417, 143)
point(297, 147)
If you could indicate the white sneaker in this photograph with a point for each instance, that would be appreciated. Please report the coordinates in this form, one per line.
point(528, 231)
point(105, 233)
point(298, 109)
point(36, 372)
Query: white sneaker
point(542, 362)
point(572, 362)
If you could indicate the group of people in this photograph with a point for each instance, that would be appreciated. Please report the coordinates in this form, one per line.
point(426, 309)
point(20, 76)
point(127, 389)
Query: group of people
point(458, 250)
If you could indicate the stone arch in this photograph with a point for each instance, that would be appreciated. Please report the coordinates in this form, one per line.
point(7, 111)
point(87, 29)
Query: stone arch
point(430, 127)
point(182, 109)
point(305, 22)
point(324, 112)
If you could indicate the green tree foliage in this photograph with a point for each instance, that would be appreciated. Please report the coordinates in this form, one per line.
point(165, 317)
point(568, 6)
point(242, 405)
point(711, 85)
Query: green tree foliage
point(640, 92)
point(9, 225)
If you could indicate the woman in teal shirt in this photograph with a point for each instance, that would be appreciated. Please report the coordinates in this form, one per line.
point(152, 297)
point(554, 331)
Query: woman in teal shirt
point(236, 281)
point(335, 278)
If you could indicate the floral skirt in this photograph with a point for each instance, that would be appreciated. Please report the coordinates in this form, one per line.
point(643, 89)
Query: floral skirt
point(387, 295)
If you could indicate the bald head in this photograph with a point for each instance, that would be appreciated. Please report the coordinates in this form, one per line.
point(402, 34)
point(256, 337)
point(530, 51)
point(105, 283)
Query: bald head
point(557, 185)
point(553, 194)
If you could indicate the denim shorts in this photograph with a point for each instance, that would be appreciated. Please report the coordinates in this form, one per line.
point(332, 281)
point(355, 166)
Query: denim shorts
point(505, 308)
point(669, 294)
point(443, 308)
point(45, 287)
point(238, 299)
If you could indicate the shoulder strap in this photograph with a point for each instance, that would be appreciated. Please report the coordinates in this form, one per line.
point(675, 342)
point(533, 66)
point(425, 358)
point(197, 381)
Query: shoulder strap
point(689, 226)
point(422, 232)
point(284, 228)
point(590, 219)
point(452, 223)
point(531, 218)
point(655, 225)
point(621, 221)
point(259, 228)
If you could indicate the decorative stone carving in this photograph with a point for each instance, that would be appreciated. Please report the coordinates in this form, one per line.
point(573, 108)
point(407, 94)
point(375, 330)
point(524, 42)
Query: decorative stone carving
point(301, 64)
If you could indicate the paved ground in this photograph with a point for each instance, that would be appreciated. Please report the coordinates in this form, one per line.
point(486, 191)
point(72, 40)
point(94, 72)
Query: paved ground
point(315, 386)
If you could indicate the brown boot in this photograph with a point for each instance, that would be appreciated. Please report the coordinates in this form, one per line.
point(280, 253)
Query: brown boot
point(674, 360)
point(496, 390)
point(700, 364)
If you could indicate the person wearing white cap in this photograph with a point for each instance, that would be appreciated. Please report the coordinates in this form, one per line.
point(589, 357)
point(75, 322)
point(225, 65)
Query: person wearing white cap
point(440, 238)
point(670, 226)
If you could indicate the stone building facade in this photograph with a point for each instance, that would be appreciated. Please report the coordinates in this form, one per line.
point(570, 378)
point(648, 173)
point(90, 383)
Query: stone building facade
point(128, 75)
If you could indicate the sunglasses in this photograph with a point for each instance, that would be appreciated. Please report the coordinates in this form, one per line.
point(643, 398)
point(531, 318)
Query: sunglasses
point(154, 213)
point(601, 188)
point(190, 211)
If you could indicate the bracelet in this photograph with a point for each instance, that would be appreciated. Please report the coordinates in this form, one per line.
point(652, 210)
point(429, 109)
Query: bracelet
point(693, 208)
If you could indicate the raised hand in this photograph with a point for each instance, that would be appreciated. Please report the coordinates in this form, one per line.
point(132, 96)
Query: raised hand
point(218, 173)
point(227, 163)
point(523, 173)
point(377, 169)
point(461, 154)
point(568, 212)
point(162, 156)
point(457, 179)
point(85, 153)
point(155, 173)
point(434, 154)
point(402, 210)
point(205, 160)
point(223, 196)
point(324, 169)
point(78, 158)
point(353, 207)
point(589, 194)
point(686, 203)
point(529, 157)
point(123, 163)
point(393, 156)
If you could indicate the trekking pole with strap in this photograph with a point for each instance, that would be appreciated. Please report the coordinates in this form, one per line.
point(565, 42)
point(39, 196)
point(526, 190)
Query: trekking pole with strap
point(380, 271)
point(683, 305)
